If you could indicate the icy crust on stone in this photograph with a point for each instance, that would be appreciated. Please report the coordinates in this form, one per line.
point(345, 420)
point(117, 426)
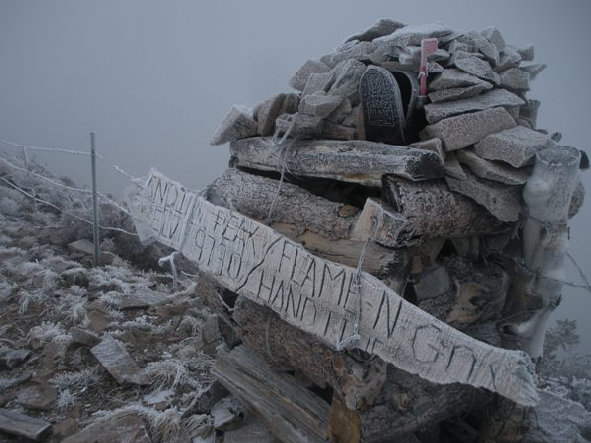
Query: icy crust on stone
point(469, 71)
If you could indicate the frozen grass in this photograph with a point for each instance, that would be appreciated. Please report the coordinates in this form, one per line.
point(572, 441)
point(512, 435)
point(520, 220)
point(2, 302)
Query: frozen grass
point(73, 307)
point(172, 372)
point(163, 426)
point(48, 332)
point(76, 379)
point(65, 399)
point(200, 425)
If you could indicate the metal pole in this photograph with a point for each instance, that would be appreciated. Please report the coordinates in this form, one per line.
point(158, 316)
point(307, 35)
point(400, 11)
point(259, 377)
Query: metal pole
point(95, 225)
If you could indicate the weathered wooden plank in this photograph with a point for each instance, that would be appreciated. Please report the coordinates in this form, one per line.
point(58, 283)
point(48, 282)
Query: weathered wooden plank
point(292, 413)
point(338, 304)
point(15, 423)
point(354, 161)
point(432, 209)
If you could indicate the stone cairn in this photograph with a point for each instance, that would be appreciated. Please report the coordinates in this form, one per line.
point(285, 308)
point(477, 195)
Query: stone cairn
point(448, 213)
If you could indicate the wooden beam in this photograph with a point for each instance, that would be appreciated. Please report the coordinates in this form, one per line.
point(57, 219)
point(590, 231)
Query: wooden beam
point(320, 225)
point(431, 209)
point(353, 161)
point(292, 413)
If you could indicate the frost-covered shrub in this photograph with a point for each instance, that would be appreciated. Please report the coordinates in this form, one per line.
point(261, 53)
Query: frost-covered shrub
point(163, 426)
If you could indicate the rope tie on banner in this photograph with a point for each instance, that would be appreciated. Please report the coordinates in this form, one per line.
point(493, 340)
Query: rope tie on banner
point(282, 158)
point(170, 259)
point(354, 338)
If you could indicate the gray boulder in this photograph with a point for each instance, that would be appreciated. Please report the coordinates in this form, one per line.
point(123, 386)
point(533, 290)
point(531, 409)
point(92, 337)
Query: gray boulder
point(480, 68)
point(516, 146)
point(495, 98)
point(238, 123)
point(300, 78)
point(466, 129)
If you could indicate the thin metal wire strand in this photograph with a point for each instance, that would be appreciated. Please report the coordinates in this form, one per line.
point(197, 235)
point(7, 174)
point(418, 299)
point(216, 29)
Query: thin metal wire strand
point(106, 228)
point(40, 148)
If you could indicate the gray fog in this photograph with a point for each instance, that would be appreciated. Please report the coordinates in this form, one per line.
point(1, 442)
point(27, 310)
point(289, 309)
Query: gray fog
point(154, 78)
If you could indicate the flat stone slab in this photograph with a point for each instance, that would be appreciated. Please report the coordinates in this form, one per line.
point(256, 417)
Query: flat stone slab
point(492, 99)
point(300, 78)
point(509, 58)
point(124, 428)
point(484, 45)
point(491, 170)
point(319, 105)
point(346, 80)
point(238, 123)
point(515, 79)
point(434, 144)
point(453, 78)
point(84, 337)
point(13, 358)
point(452, 94)
point(382, 27)
point(142, 299)
point(318, 82)
point(466, 129)
point(516, 146)
point(299, 125)
point(15, 423)
point(266, 113)
point(502, 201)
point(41, 397)
point(115, 359)
point(349, 51)
point(82, 246)
point(480, 68)
point(412, 35)
point(324, 298)
point(494, 36)
point(452, 166)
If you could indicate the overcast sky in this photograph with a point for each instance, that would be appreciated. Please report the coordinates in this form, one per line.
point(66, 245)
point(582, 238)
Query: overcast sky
point(153, 79)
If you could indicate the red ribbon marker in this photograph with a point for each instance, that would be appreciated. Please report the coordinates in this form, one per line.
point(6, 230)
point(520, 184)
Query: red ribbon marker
point(428, 47)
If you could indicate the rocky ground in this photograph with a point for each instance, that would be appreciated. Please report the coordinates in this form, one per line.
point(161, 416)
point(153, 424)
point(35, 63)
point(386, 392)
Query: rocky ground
point(106, 353)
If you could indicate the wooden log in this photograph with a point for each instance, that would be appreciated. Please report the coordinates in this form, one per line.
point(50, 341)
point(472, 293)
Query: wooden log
point(359, 384)
point(292, 413)
point(263, 198)
point(431, 209)
point(354, 161)
point(320, 225)
point(285, 346)
point(548, 195)
point(340, 305)
point(413, 403)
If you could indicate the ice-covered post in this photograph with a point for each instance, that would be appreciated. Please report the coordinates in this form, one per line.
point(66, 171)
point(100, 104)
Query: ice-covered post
point(95, 225)
point(547, 196)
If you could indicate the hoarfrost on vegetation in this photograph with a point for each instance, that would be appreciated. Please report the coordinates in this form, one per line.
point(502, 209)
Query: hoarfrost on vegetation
point(163, 426)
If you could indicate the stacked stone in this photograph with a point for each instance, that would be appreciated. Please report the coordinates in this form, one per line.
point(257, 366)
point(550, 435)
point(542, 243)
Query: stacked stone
point(434, 217)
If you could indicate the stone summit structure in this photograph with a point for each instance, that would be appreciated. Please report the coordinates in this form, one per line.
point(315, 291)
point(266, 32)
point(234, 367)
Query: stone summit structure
point(384, 257)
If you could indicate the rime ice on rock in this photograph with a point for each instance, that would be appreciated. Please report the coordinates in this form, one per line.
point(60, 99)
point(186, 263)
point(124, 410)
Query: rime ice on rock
point(237, 124)
point(358, 170)
point(466, 129)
